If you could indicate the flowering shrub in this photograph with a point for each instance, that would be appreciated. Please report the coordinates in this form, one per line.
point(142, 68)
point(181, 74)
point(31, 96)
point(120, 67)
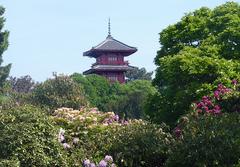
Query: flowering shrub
point(99, 133)
point(106, 162)
point(223, 98)
point(207, 140)
point(90, 116)
point(210, 135)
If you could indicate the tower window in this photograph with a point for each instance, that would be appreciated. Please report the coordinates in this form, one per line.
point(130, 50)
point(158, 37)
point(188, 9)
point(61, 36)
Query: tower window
point(112, 58)
point(113, 78)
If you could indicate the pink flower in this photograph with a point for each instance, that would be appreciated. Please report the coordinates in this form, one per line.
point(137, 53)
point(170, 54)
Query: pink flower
point(108, 158)
point(86, 163)
point(92, 165)
point(216, 94)
point(205, 108)
point(102, 163)
point(199, 105)
point(217, 109)
point(177, 131)
point(234, 82)
point(66, 146)
point(75, 140)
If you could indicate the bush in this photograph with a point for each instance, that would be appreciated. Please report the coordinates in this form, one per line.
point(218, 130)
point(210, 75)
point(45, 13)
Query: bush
point(131, 143)
point(207, 140)
point(140, 144)
point(210, 136)
point(9, 163)
point(61, 91)
point(28, 135)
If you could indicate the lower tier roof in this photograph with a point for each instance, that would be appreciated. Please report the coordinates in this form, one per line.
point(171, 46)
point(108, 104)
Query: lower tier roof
point(108, 68)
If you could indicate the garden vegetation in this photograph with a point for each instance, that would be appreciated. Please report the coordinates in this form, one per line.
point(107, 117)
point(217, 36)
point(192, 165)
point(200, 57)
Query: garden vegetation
point(188, 115)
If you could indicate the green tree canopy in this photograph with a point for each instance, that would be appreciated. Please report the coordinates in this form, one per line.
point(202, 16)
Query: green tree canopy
point(202, 49)
point(4, 70)
point(138, 73)
point(60, 91)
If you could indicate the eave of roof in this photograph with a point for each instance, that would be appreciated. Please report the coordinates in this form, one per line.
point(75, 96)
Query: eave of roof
point(110, 45)
point(107, 68)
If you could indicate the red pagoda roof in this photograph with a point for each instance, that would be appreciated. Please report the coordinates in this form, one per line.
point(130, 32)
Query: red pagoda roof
point(110, 45)
point(108, 68)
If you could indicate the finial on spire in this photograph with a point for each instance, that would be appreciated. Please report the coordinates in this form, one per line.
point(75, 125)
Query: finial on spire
point(109, 27)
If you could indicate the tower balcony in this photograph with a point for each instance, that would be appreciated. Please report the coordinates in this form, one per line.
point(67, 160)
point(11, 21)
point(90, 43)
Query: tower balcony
point(111, 63)
point(110, 67)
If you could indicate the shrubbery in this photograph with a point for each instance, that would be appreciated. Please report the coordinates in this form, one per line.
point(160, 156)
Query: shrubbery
point(210, 135)
point(209, 140)
point(131, 143)
point(141, 144)
point(61, 91)
point(195, 94)
point(29, 136)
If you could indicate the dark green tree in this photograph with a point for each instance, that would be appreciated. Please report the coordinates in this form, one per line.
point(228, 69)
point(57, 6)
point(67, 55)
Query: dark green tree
point(198, 51)
point(138, 73)
point(130, 99)
point(98, 89)
point(4, 70)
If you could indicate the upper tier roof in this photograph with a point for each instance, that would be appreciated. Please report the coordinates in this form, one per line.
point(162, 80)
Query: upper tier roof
point(110, 45)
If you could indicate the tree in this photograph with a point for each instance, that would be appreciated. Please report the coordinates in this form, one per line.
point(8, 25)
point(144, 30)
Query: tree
point(4, 70)
point(127, 100)
point(200, 50)
point(140, 74)
point(130, 99)
point(24, 84)
point(98, 89)
point(60, 91)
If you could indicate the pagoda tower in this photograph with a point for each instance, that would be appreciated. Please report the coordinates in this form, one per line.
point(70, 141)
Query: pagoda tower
point(109, 56)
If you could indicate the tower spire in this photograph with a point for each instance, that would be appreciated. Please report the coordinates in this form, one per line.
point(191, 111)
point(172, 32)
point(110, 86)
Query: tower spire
point(109, 27)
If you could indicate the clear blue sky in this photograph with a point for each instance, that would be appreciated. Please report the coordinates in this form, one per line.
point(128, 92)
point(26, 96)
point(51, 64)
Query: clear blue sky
point(50, 35)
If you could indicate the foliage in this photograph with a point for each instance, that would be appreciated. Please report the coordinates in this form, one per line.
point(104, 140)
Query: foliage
point(27, 134)
point(196, 53)
point(141, 144)
point(17, 91)
point(208, 140)
point(222, 100)
point(97, 88)
point(127, 100)
point(4, 70)
point(9, 163)
point(98, 134)
point(24, 84)
point(106, 162)
point(60, 91)
point(209, 136)
point(130, 100)
point(210, 30)
point(86, 131)
point(138, 74)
